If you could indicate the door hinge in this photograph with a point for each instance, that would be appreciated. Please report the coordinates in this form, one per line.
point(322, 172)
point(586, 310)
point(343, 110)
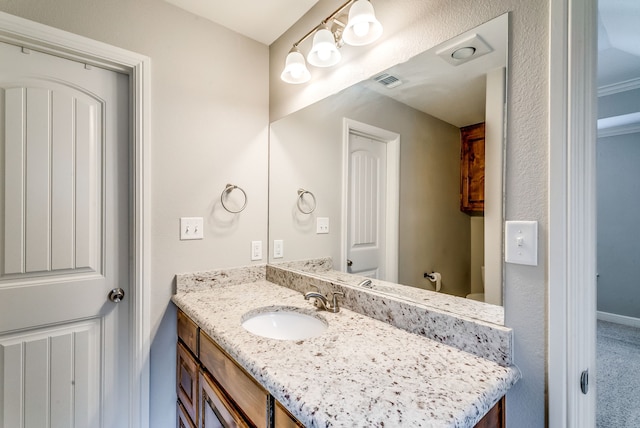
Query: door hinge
point(584, 381)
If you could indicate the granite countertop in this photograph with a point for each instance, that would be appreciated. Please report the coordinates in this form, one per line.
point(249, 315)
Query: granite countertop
point(359, 372)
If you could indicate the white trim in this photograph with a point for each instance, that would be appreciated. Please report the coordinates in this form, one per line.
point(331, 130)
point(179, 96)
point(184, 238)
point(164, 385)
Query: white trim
point(619, 319)
point(619, 130)
point(616, 88)
point(572, 237)
point(15, 30)
point(392, 214)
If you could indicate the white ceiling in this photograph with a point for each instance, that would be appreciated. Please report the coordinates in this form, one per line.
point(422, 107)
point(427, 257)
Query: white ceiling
point(266, 20)
point(261, 20)
point(618, 41)
point(453, 93)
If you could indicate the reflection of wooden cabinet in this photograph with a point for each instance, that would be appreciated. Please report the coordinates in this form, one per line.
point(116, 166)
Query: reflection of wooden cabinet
point(472, 169)
point(214, 391)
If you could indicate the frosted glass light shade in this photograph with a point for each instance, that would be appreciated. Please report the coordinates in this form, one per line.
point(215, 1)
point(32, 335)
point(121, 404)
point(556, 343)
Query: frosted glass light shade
point(324, 52)
point(363, 27)
point(295, 68)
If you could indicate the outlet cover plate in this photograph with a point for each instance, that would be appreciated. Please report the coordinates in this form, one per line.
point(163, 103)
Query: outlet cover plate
point(278, 249)
point(322, 225)
point(256, 250)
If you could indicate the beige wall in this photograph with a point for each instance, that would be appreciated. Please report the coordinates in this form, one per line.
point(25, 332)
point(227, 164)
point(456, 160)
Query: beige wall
point(410, 27)
point(477, 254)
point(306, 151)
point(209, 121)
point(204, 82)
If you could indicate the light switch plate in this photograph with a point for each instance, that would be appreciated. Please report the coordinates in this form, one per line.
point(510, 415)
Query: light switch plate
point(256, 250)
point(521, 242)
point(322, 225)
point(191, 228)
point(278, 249)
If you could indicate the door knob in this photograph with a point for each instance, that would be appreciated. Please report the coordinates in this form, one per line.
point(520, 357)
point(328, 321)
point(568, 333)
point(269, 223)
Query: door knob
point(349, 262)
point(116, 295)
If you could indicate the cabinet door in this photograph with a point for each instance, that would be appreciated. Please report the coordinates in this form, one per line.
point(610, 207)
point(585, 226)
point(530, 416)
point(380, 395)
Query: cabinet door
point(187, 382)
point(216, 411)
point(240, 386)
point(183, 419)
point(472, 169)
point(284, 419)
point(188, 332)
point(494, 417)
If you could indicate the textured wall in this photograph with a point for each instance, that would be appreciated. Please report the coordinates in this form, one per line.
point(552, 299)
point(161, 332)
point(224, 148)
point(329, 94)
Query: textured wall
point(410, 27)
point(209, 121)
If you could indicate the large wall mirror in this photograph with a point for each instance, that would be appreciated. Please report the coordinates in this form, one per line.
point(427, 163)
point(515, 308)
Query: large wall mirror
point(371, 176)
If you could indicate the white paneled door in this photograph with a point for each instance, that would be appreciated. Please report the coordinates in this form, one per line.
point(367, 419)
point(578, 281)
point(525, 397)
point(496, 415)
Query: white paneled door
point(366, 206)
point(64, 243)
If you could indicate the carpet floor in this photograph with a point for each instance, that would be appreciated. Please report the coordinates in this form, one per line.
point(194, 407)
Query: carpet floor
point(618, 377)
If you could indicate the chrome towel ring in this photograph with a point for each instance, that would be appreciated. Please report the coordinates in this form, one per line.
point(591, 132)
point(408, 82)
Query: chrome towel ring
point(228, 189)
point(301, 193)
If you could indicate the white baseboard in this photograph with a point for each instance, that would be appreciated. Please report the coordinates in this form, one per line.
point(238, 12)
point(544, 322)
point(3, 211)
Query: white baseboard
point(619, 319)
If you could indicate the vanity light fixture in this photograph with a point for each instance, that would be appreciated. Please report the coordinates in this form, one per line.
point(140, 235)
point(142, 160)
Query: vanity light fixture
point(324, 52)
point(295, 69)
point(361, 28)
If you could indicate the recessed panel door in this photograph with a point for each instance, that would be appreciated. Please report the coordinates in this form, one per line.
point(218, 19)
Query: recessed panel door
point(64, 243)
point(366, 206)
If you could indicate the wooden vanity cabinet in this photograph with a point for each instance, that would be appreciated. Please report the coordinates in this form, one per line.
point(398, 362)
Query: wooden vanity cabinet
point(249, 397)
point(216, 409)
point(494, 417)
point(214, 391)
point(187, 383)
point(284, 419)
point(472, 162)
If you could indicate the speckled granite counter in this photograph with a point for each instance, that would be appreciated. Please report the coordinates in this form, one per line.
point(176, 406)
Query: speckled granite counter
point(360, 372)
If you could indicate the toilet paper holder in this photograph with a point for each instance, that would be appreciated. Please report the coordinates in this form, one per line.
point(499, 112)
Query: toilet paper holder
point(434, 277)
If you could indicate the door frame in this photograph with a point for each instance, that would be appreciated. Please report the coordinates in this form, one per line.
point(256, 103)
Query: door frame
point(572, 213)
point(392, 209)
point(32, 35)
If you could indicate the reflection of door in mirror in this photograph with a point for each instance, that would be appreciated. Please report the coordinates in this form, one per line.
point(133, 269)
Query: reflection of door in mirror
point(366, 199)
point(370, 191)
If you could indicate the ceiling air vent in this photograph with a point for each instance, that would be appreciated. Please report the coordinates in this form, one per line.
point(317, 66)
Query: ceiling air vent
point(388, 80)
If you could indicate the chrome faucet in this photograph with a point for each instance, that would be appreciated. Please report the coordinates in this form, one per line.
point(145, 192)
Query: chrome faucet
point(323, 303)
point(366, 283)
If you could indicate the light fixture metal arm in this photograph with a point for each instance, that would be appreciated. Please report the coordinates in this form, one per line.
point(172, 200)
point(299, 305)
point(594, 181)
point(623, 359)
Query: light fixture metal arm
point(324, 22)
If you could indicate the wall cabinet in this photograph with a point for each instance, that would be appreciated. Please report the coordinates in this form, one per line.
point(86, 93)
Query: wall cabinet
point(472, 169)
point(214, 391)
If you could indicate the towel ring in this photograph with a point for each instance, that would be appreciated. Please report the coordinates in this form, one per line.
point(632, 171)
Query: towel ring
point(228, 189)
point(301, 193)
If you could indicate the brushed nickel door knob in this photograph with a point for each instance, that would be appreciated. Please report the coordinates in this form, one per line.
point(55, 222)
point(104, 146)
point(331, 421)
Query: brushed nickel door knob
point(116, 295)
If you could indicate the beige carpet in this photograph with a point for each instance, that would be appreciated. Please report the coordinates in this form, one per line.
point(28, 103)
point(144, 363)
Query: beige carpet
point(618, 377)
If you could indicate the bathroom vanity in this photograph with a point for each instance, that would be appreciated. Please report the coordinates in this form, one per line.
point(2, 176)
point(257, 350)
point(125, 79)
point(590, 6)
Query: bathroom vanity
point(358, 372)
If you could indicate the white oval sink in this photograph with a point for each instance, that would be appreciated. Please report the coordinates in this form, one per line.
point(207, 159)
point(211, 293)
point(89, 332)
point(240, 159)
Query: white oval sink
point(283, 323)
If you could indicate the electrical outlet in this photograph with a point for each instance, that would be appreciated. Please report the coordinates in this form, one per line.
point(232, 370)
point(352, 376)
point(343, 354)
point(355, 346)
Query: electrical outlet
point(278, 249)
point(256, 250)
point(191, 228)
point(322, 225)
